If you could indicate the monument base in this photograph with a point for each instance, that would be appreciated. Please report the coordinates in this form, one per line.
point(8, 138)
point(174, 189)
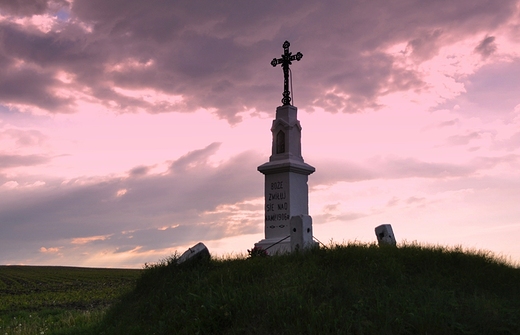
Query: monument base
point(271, 246)
point(300, 238)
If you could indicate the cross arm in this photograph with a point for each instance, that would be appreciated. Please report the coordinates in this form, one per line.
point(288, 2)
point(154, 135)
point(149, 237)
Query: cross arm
point(275, 61)
point(297, 57)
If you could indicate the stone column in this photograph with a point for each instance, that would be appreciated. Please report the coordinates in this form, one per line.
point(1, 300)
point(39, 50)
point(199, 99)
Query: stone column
point(286, 174)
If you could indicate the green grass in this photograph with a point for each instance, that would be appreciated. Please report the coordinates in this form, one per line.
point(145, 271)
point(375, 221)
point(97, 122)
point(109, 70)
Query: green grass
point(43, 300)
point(343, 289)
point(353, 289)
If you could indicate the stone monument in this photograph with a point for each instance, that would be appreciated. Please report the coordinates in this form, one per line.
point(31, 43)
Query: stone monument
point(286, 174)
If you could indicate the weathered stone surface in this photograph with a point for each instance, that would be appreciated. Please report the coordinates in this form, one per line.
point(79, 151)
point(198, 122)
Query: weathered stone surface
point(196, 253)
point(301, 232)
point(275, 246)
point(385, 235)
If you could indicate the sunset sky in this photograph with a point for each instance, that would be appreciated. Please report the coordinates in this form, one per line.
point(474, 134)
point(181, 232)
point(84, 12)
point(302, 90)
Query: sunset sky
point(131, 129)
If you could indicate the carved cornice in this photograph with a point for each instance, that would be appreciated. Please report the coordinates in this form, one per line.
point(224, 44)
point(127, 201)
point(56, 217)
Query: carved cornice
point(286, 165)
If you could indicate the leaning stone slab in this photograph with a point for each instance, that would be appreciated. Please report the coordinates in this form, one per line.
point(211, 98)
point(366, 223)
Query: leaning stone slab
point(198, 252)
point(385, 235)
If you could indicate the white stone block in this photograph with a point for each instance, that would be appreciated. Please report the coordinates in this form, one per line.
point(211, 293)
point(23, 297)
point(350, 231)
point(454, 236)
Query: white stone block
point(385, 235)
point(197, 252)
point(301, 232)
point(273, 246)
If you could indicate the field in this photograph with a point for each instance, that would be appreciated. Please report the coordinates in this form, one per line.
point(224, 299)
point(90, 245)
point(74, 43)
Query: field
point(340, 289)
point(43, 300)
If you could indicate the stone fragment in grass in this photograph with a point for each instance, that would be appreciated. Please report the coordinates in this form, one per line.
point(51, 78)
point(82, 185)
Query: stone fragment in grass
point(196, 253)
point(385, 235)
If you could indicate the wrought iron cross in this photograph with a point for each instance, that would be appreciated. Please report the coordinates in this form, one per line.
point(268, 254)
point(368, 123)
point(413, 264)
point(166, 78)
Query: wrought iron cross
point(286, 60)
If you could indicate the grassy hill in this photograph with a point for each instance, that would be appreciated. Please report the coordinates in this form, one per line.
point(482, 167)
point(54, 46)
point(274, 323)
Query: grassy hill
point(354, 289)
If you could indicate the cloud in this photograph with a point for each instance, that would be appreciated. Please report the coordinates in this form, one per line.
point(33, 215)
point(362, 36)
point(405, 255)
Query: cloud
point(9, 161)
point(24, 7)
point(193, 158)
point(491, 92)
point(449, 123)
point(49, 250)
point(426, 45)
point(412, 168)
point(29, 86)
point(486, 47)
point(334, 171)
point(139, 171)
point(464, 139)
point(212, 55)
point(197, 202)
point(510, 144)
point(23, 138)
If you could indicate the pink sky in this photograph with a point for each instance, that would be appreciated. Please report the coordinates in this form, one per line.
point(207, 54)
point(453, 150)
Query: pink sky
point(130, 130)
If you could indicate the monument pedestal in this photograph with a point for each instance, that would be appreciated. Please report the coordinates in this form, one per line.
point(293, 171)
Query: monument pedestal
point(286, 174)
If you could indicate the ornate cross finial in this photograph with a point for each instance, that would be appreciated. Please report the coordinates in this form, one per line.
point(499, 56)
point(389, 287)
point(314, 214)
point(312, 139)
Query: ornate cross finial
point(286, 60)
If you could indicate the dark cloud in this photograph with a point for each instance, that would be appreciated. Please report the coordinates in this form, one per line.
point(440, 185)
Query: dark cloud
point(216, 55)
point(10, 161)
point(32, 87)
point(23, 7)
point(426, 45)
point(486, 47)
point(188, 201)
point(139, 171)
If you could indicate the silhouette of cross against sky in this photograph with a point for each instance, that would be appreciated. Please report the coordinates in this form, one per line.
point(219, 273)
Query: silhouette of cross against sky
point(286, 60)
